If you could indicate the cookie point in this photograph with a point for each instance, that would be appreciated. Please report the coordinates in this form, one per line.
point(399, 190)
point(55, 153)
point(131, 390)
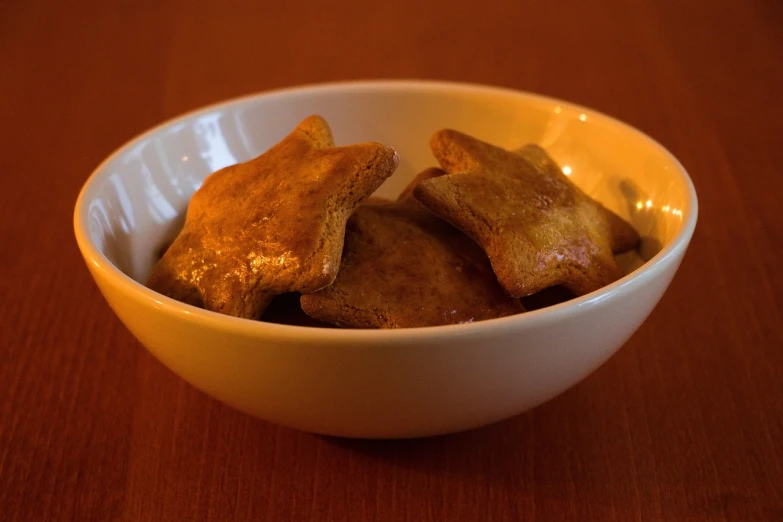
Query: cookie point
point(388, 156)
point(439, 137)
point(395, 156)
point(533, 148)
point(314, 120)
point(317, 129)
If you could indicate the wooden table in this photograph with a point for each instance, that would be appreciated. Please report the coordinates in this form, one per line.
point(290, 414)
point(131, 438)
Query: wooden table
point(684, 423)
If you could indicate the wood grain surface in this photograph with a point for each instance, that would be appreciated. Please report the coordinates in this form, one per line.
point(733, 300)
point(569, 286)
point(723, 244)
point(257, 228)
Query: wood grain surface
point(684, 423)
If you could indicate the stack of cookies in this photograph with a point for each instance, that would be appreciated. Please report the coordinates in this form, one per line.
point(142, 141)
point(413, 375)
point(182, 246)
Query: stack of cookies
point(462, 243)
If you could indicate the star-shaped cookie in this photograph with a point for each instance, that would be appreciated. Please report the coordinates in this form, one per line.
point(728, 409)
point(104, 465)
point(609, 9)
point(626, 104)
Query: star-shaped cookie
point(405, 267)
point(536, 226)
point(272, 225)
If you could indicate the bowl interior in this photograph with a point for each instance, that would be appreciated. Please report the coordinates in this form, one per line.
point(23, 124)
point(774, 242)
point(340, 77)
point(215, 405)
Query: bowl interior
point(135, 201)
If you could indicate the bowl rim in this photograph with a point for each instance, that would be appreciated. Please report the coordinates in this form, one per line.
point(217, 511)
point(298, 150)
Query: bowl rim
point(96, 260)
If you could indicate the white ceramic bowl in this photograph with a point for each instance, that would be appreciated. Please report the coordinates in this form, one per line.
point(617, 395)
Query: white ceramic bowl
point(383, 383)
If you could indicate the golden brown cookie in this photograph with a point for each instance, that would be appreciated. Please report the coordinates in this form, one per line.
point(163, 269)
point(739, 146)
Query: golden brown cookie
point(272, 225)
point(407, 193)
point(405, 267)
point(536, 226)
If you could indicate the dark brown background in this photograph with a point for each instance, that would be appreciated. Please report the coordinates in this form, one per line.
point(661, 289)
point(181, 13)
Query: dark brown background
point(684, 423)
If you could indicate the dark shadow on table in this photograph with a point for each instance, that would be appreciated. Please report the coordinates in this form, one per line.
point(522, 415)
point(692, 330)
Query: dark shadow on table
point(494, 453)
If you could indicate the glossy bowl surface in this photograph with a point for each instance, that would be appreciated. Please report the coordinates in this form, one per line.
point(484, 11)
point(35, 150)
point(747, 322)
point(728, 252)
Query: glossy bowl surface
point(383, 383)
